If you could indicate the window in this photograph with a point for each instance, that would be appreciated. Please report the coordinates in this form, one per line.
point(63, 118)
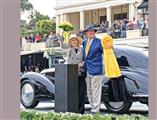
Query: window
point(102, 18)
point(120, 16)
point(131, 58)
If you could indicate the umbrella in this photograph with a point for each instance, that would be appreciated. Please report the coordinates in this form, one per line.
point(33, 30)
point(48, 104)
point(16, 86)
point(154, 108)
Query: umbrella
point(143, 5)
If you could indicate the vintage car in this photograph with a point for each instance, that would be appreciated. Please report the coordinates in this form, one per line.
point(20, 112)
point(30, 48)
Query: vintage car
point(37, 87)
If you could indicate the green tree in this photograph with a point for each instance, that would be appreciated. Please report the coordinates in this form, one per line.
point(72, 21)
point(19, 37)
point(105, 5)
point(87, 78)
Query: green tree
point(23, 32)
point(45, 27)
point(35, 17)
point(26, 6)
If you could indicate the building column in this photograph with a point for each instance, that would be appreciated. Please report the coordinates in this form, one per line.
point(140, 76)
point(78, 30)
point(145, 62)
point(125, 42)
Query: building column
point(90, 17)
point(132, 11)
point(109, 16)
point(61, 18)
point(61, 21)
point(82, 20)
point(57, 23)
point(64, 17)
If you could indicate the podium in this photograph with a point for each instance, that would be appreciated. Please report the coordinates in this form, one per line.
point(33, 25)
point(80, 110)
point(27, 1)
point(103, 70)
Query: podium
point(66, 88)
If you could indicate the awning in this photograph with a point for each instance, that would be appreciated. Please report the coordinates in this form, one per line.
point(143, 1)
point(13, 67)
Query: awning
point(143, 5)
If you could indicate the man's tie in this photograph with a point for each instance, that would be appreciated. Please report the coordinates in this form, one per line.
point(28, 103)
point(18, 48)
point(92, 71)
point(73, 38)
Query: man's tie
point(87, 47)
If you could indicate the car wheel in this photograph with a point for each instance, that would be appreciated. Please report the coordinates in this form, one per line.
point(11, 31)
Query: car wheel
point(118, 107)
point(28, 95)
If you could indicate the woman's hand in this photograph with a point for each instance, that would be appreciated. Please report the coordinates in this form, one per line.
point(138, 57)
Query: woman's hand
point(81, 64)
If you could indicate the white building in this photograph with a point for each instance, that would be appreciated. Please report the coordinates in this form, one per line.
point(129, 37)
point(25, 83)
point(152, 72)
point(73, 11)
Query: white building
point(83, 12)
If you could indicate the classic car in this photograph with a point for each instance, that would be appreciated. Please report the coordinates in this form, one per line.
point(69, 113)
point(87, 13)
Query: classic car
point(36, 87)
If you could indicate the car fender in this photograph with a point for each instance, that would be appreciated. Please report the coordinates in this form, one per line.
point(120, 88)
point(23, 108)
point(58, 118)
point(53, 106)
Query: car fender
point(136, 83)
point(37, 78)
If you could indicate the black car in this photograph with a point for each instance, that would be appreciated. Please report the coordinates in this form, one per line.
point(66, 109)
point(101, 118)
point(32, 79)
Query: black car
point(37, 87)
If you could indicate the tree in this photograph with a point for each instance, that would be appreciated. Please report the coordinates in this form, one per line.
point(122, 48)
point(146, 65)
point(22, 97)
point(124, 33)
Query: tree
point(23, 32)
point(35, 17)
point(26, 6)
point(45, 27)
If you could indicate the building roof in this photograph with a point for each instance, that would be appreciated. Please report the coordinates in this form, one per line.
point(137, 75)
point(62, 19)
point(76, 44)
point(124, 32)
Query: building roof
point(76, 7)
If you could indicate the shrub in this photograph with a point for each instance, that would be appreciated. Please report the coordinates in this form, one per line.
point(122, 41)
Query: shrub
point(66, 26)
point(34, 115)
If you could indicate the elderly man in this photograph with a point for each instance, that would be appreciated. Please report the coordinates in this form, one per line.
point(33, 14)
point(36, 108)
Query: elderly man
point(92, 52)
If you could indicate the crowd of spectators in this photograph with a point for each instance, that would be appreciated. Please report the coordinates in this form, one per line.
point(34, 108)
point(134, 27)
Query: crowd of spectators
point(117, 30)
point(52, 40)
point(119, 27)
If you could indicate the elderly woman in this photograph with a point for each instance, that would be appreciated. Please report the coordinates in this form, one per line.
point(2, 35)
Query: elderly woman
point(76, 57)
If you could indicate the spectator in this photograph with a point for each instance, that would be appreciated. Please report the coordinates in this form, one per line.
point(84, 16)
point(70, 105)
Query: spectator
point(27, 38)
point(142, 24)
point(50, 35)
point(122, 29)
point(146, 21)
point(58, 36)
point(145, 27)
point(130, 25)
point(134, 23)
point(111, 32)
point(32, 38)
point(37, 38)
point(55, 42)
point(45, 37)
point(116, 27)
point(138, 24)
point(49, 42)
point(103, 27)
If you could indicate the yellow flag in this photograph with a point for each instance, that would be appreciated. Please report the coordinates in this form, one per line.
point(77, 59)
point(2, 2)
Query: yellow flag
point(66, 37)
point(112, 69)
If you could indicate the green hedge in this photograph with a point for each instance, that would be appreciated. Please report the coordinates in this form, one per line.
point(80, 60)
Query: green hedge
point(34, 115)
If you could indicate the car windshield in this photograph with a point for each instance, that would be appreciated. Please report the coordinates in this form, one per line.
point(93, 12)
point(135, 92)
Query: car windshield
point(130, 57)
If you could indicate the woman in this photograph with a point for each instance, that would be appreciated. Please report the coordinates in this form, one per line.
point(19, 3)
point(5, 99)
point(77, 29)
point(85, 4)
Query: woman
point(76, 57)
point(37, 38)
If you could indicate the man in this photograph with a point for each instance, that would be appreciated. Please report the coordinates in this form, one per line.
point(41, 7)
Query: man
point(32, 38)
point(92, 52)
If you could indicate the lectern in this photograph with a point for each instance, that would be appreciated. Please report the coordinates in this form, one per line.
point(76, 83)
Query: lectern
point(66, 88)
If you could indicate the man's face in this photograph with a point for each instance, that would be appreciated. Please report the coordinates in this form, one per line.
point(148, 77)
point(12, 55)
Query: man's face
point(90, 33)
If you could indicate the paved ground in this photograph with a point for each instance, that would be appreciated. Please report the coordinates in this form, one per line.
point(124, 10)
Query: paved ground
point(137, 108)
point(141, 42)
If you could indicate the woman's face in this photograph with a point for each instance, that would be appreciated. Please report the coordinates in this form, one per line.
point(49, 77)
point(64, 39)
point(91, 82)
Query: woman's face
point(74, 42)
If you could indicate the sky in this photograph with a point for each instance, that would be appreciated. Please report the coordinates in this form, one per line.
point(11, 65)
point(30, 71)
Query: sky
point(46, 7)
